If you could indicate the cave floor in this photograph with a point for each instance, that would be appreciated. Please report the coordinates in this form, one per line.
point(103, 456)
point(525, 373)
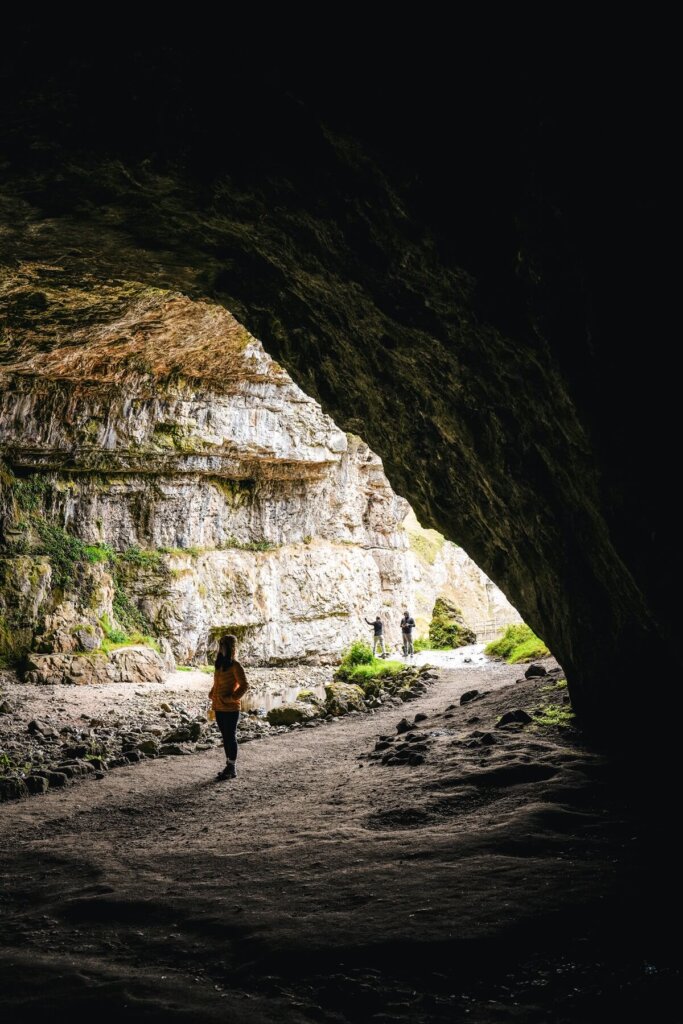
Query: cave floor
point(503, 881)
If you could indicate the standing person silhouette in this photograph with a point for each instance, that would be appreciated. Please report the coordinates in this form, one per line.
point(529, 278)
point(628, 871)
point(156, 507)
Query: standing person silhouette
point(229, 685)
point(407, 627)
point(377, 636)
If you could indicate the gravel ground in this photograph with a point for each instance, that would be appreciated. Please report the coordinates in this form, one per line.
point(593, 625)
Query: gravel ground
point(333, 883)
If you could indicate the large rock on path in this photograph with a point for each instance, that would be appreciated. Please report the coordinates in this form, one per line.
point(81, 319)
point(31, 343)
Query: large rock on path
point(125, 665)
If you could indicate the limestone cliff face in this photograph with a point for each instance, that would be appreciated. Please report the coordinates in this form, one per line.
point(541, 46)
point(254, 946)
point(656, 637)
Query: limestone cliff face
point(178, 498)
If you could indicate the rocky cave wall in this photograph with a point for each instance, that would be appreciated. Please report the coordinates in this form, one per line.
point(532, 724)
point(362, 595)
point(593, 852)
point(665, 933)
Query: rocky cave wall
point(179, 507)
point(452, 261)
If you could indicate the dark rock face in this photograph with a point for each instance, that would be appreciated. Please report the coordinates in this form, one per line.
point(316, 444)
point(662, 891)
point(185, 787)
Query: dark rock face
point(479, 305)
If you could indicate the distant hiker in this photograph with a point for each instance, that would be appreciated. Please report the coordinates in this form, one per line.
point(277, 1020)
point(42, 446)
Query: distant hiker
point(407, 627)
point(377, 636)
point(229, 685)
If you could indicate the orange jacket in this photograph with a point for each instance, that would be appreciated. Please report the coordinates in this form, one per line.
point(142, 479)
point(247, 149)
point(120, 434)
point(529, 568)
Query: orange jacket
point(229, 684)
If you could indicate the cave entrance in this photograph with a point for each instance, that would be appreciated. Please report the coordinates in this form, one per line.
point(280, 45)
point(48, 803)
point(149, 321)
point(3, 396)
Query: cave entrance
point(161, 495)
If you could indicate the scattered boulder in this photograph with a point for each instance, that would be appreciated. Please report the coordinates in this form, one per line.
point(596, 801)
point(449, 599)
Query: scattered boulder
point(171, 749)
point(340, 698)
point(44, 728)
point(403, 726)
point(469, 695)
point(37, 784)
point(12, 789)
point(5, 708)
point(420, 717)
point(518, 717)
point(150, 747)
point(298, 713)
point(535, 670)
point(179, 735)
point(76, 751)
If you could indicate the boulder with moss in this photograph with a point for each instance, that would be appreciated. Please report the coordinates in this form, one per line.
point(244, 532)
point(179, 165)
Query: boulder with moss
point(340, 698)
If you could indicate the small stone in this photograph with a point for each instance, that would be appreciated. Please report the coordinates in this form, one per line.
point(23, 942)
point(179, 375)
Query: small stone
point(44, 728)
point(37, 784)
point(403, 726)
point(382, 744)
point(148, 747)
point(12, 789)
point(133, 756)
point(535, 670)
point(473, 720)
point(415, 759)
point(517, 717)
point(172, 750)
point(488, 739)
point(56, 779)
point(77, 751)
point(420, 717)
point(180, 735)
point(469, 695)
point(166, 707)
point(5, 708)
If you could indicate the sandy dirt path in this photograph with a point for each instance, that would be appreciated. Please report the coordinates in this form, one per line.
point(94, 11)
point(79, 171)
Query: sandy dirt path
point(319, 886)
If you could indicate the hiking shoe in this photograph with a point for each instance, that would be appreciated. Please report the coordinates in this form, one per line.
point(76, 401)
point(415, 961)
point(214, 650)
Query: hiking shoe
point(231, 771)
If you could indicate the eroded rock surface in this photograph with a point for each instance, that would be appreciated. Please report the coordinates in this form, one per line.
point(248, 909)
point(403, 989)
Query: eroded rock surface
point(179, 506)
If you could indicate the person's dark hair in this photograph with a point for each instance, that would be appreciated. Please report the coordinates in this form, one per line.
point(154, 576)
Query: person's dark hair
point(226, 651)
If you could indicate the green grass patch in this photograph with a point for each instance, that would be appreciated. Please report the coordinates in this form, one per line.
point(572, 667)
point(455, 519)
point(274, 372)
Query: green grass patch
point(518, 643)
point(554, 714)
point(377, 670)
point(359, 653)
point(561, 684)
point(360, 666)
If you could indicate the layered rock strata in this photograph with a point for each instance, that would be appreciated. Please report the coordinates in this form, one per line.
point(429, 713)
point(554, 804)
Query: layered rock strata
point(179, 488)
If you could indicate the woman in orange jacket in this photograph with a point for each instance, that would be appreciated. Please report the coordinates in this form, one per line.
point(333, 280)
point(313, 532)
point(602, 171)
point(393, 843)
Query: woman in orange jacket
point(229, 685)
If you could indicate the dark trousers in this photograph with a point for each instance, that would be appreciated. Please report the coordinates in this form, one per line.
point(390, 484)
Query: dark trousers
point(227, 723)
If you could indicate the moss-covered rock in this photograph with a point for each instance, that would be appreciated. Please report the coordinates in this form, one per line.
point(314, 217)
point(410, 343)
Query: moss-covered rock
point(340, 698)
point(448, 628)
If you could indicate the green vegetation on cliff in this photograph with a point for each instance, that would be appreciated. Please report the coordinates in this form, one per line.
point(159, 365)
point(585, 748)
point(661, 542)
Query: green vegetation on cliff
point(62, 565)
point(518, 643)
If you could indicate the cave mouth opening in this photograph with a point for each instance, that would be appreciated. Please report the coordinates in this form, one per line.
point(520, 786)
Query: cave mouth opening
point(167, 482)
